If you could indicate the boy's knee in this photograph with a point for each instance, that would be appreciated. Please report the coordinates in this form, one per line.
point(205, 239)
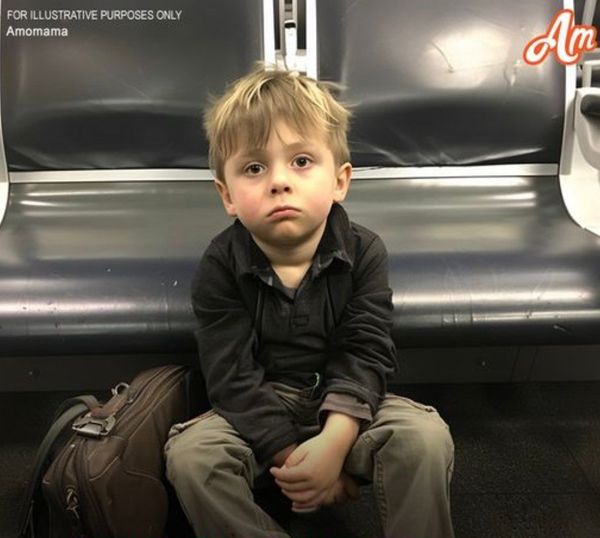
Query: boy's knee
point(182, 462)
point(437, 441)
point(197, 462)
point(428, 442)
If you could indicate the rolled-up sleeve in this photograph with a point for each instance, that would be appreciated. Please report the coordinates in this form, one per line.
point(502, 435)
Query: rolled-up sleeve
point(362, 352)
point(349, 405)
point(234, 379)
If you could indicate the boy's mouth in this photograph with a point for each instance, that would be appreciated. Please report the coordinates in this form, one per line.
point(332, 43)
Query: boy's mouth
point(283, 211)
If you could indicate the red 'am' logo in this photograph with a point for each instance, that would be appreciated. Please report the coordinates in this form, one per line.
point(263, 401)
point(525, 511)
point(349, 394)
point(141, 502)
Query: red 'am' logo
point(566, 40)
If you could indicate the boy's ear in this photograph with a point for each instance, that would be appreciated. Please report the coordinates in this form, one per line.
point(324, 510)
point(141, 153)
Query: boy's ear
point(342, 185)
point(225, 195)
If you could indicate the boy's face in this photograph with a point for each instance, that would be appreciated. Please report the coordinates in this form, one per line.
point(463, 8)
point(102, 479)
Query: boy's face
point(300, 175)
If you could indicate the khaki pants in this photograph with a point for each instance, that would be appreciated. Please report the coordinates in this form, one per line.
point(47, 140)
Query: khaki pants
point(407, 454)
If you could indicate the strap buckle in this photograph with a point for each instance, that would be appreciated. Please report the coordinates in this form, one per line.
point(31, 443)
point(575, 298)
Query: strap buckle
point(93, 427)
point(316, 386)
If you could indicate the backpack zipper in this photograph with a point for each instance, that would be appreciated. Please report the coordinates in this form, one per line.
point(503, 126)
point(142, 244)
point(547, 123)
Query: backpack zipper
point(170, 376)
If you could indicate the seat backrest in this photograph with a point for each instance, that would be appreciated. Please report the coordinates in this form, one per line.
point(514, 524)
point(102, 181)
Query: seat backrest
point(123, 93)
point(440, 82)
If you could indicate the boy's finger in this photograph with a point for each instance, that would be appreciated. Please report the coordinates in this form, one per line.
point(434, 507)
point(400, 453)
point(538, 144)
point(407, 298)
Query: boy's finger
point(288, 474)
point(305, 509)
point(315, 501)
point(294, 459)
point(293, 486)
point(303, 497)
point(353, 492)
point(338, 498)
point(351, 488)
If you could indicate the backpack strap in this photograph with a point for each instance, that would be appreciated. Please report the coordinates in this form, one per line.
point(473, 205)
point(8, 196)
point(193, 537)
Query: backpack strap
point(68, 411)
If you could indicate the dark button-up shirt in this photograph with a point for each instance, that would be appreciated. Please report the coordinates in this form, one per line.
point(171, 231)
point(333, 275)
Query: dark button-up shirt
point(252, 329)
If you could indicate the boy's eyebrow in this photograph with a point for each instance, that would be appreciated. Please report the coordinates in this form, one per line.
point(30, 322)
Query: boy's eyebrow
point(249, 154)
point(302, 144)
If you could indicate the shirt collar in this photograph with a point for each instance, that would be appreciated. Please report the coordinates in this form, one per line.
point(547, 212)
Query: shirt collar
point(336, 245)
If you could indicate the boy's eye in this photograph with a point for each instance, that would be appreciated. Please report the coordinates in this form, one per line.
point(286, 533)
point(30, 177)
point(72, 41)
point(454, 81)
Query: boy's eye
point(253, 169)
point(302, 162)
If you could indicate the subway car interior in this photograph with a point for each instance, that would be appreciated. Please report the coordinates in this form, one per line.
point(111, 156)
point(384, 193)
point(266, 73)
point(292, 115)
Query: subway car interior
point(479, 170)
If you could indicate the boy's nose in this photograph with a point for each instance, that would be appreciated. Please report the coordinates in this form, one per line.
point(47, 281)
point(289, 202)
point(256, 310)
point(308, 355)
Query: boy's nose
point(277, 188)
point(280, 181)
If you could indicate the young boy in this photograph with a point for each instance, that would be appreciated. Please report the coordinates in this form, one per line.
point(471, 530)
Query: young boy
point(294, 317)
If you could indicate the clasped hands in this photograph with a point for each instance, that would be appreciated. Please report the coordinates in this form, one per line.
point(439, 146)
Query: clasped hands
point(312, 475)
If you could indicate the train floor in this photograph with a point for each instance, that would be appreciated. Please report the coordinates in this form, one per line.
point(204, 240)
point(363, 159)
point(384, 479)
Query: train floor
point(527, 461)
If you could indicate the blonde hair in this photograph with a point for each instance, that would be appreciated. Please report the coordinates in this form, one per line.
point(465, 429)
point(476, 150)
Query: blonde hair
point(243, 116)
